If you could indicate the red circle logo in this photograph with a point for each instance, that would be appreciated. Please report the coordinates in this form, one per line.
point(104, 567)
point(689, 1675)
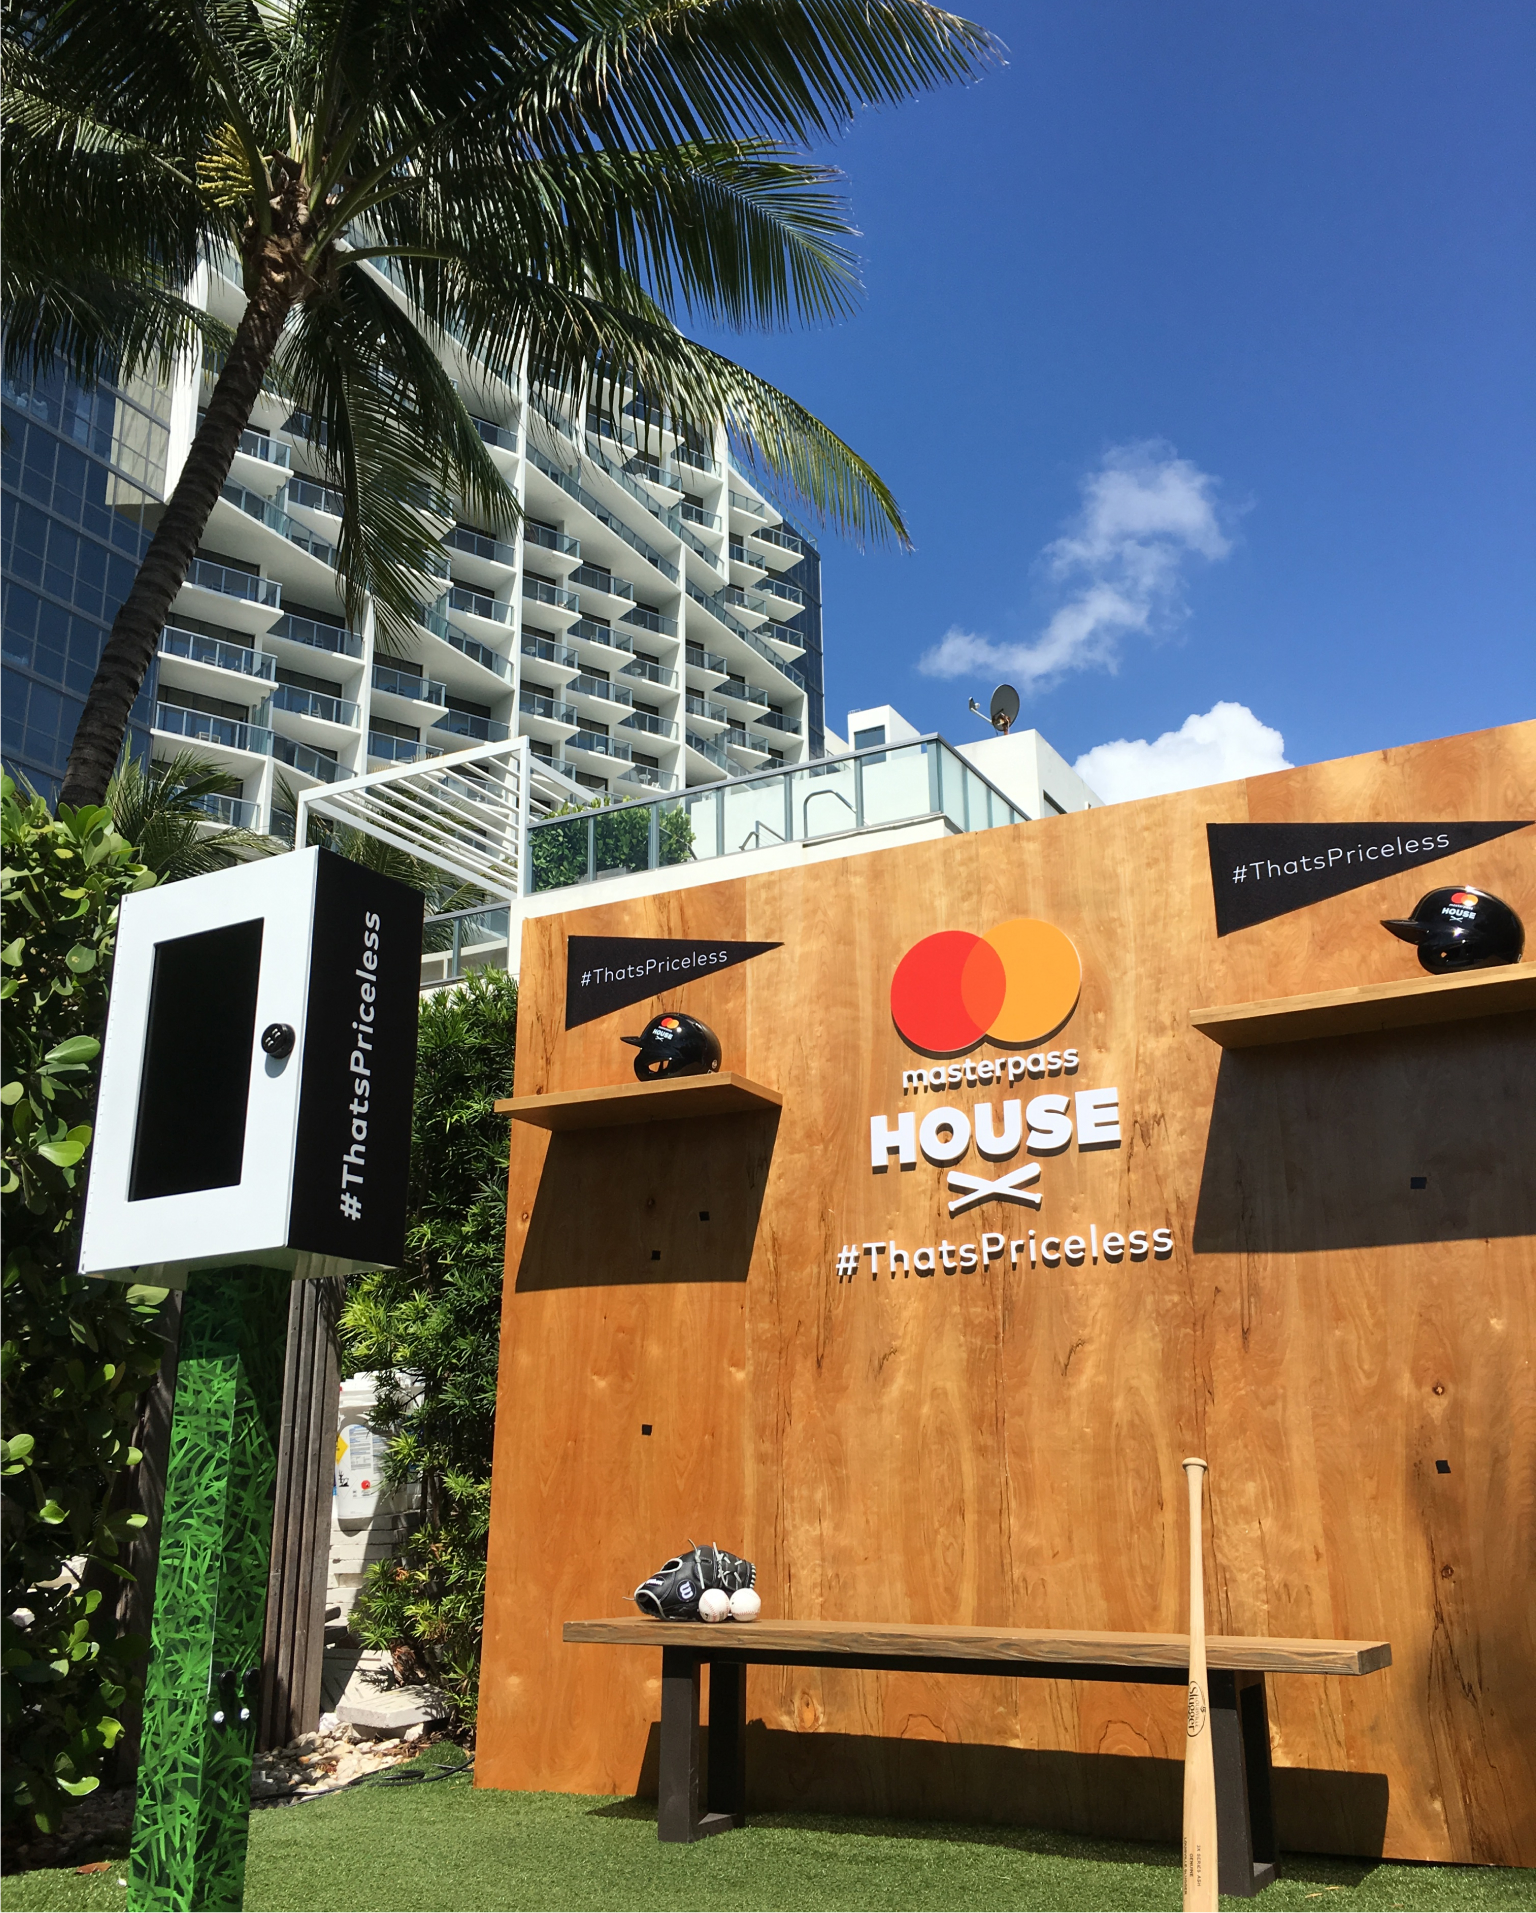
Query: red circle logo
point(1017, 984)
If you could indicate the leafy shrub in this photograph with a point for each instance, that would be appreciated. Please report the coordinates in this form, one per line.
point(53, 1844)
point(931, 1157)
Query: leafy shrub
point(438, 1318)
point(77, 1355)
point(620, 841)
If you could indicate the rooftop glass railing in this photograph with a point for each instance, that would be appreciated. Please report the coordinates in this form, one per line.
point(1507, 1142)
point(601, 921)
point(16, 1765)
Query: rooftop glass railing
point(422, 690)
point(330, 710)
point(208, 729)
point(200, 649)
point(318, 636)
point(209, 575)
point(305, 758)
point(924, 781)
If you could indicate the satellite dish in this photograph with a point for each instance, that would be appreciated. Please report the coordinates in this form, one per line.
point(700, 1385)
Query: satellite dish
point(1005, 707)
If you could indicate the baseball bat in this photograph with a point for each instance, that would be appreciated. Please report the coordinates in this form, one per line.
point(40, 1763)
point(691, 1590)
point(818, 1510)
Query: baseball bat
point(1199, 1763)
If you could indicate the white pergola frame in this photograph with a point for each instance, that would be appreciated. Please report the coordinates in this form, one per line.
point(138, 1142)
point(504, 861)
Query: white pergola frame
point(466, 812)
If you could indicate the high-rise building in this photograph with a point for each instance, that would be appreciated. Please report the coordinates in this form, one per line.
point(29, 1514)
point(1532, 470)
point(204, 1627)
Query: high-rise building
point(82, 474)
point(654, 623)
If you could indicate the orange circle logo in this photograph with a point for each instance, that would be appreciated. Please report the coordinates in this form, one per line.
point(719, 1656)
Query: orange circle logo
point(1017, 984)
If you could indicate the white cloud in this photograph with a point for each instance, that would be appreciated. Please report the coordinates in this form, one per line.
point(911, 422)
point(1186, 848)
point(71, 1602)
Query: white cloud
point(1146, 513)
point(1227, 741)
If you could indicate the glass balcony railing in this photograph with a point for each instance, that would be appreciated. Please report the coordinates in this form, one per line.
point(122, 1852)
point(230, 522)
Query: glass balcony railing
point(742, 692)
point(589, 631)
point(644, 619)
point(703, 660)
point(651, 725)
point(463, 940)
point(776, 535)
point(330, 710)
point(649, 776)
point(478, 653)
point(696, 515)
point(653, 474)
point(269, 450)
point(313, 496)
point(777, 721)
point(548, 540)
point(476, 730)
point(595, 578)
point(697, 706)
point(741, 556)
point(400, 750)
point(208, 575)
point(272, 515)
point(741, 502)
point(538, 705)
point(865, 790)
point(479, 544)
point(501, 437)
point(539, 592)
point(598, 744)
point(318, 636)
point(304, 757)
point(548, 652)
point(710, 751)
point(652, 673)
point(603, 688)
point(208, 729)
point(238, 812)
point(387, 677)
point(200, 649)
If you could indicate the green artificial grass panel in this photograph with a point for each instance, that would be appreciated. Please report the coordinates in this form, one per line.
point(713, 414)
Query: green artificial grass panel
point(444, 1845)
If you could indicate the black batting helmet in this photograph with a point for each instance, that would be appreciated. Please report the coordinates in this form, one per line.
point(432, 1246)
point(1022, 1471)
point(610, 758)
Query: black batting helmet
point(1461, 929)
point(675, 1045)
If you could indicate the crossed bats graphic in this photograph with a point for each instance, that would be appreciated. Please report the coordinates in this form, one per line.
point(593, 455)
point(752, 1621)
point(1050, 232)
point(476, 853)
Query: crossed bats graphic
point(1010, 1187)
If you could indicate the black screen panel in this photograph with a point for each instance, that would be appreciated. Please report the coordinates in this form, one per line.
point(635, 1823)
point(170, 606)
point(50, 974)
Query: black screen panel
point(190, 1132)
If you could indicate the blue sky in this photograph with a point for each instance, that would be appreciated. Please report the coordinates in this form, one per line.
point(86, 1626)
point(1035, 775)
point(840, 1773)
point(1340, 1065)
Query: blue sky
point(1262, 279)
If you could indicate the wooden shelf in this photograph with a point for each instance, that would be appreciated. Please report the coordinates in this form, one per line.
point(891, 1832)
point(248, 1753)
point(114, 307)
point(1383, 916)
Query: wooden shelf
point(1375, 1006)
point(725, 1094)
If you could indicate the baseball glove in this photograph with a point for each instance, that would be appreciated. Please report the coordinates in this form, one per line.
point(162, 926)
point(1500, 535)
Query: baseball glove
point(672, 1592)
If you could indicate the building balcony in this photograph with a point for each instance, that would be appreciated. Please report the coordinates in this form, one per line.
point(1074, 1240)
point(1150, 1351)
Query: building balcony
point(266, 512)
point(698, 659)
point(739, 555)
point(306, 759)
point(547, 718)
point(644, 619)
point(335, 638)
point(653, 474)
point(400, 750)
point(784, 640)
point(555, 541)
point(588, 631)
point(206, 574)
point(703, 711)
point(472, 728)
point(690, 455)
point(477, 653)
point(237, 812)
point(536, 591)
point(196, 648)
point(651, 725)
point(475, 558)
point(596, 745)
point(741, 502)
point(308, 494)
point(500, 438)
point(710, 752)
point(419, 690)
point(776, 535)
point(696, 515)
point(602, 689)
point(205, 728)
point(743, 693)
point(652, 673)
point(777, 721)
point(648, 777)
point(777, 588)
point(315, 704)
point(548, 652)
point(595, 578)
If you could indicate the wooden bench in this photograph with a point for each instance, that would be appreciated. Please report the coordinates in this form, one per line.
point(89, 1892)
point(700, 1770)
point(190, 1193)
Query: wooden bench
point(1237, 1665)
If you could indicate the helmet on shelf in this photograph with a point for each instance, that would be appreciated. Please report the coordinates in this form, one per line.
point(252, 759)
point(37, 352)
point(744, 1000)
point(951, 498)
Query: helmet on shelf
point(674, 1045)
point(1461, 929)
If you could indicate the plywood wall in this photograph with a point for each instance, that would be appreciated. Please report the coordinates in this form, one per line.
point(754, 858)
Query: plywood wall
point(1003, 1446)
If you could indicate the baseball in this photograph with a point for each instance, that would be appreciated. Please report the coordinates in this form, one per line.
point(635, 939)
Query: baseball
point(714, 1605)
point(746, 1604)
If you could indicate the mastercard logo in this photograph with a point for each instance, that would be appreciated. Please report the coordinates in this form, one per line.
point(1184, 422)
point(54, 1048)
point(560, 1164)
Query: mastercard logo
point(1017, 984)
point(1464, 897)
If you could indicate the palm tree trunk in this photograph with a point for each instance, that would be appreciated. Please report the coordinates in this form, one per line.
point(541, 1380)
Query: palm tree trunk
point(126, 658)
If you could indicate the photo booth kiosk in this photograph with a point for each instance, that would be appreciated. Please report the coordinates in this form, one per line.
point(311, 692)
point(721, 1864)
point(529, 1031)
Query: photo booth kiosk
point(253, 1126)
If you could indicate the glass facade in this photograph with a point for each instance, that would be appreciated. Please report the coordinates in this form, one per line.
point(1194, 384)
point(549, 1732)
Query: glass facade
point(78, 473)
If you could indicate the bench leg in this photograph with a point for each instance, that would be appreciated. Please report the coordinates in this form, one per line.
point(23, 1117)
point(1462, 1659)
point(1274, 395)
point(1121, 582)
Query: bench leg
point(1245, 1821)
point(728, 1742)
point(677, 1816)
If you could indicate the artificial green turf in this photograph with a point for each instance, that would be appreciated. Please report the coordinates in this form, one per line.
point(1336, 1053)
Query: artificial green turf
point(444, 1846)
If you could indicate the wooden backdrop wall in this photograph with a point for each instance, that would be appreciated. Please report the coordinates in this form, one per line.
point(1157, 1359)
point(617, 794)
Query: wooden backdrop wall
point(1003, 1448)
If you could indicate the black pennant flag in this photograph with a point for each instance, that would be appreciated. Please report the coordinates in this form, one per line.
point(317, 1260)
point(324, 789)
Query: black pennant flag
point(1259, 871)
point(606, 973)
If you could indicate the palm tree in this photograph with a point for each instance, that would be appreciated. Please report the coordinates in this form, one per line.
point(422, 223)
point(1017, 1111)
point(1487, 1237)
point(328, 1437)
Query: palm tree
point(166, 812)
point(548, 183)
